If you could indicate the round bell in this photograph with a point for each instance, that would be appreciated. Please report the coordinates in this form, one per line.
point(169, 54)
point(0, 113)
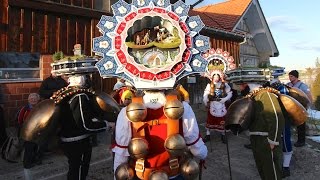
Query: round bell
point(136, 112)
point(158, 175)
point(300, 96)
point(138, 148)
point(175, 145)
point(296, 111)
point(173, 109)
point(190, 169)
point(41, 123)
point(238, 117)
point(106, 102)
point(124, 172)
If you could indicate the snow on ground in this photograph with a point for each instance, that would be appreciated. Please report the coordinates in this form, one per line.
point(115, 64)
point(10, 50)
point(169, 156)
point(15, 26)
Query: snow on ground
point(314, 138)
point(314, 114)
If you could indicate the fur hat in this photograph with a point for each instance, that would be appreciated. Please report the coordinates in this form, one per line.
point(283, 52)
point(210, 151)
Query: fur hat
point(294, 73)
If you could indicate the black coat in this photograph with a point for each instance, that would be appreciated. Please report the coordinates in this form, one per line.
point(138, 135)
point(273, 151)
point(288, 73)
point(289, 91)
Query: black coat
point(51, 85)
point(78, 117)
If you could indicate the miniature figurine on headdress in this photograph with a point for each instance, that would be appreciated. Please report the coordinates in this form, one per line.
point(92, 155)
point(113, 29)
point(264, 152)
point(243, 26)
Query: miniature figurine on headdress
point(152, 44)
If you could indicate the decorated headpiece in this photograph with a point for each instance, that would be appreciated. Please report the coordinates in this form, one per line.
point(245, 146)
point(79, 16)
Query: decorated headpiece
point(78, 64)
point(150, 43)
point(219, 62)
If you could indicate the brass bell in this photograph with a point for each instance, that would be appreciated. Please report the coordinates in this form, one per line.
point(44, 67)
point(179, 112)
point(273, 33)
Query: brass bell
point(136, 112)
point(106, 102)
point(300, 96)
point(175, 145)
point(296, 111)
point(124, 172)
point(158, 175)
point(190, 169)
point(41, 123)
point(173, 109)
point(138, 148)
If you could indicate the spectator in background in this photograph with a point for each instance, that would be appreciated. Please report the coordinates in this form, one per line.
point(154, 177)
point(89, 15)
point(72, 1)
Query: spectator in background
point(31, 153)
point(3, 135)
point(50, 85)
point(295, 82)
point(126, 97)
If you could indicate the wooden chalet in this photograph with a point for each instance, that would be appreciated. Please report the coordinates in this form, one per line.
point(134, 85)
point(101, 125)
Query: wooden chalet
point(238, 27)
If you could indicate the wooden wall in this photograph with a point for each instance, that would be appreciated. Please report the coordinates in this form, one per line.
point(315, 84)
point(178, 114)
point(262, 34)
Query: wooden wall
point(48, 26)
point(232, 47)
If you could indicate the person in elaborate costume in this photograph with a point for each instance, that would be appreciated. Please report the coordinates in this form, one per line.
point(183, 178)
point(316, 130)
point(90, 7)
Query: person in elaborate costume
point(263, 112)
point(160, 130)
point(214, 97)
point(157, 134)
point(286, 135)
point(77, 124)
point(265, 134)
point(78, 112)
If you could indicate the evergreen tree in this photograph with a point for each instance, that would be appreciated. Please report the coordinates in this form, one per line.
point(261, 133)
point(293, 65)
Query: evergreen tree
point(318, 62)
point(309, 73)
point(315, 90)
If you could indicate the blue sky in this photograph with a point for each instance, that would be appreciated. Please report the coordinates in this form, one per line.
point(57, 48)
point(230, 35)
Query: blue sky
point(295, 26)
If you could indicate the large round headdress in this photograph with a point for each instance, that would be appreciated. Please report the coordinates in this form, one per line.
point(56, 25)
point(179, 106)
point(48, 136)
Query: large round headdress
point(150, 43)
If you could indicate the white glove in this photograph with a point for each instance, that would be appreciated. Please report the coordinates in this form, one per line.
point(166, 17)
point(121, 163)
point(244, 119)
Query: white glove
point(223, 100)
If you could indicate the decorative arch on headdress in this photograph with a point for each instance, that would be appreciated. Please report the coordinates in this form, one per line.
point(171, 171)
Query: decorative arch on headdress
point(219, 62)
point(151, 43)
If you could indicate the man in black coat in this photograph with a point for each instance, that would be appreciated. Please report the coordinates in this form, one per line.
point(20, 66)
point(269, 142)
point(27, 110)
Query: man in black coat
point(50, 85)
point(78, 122)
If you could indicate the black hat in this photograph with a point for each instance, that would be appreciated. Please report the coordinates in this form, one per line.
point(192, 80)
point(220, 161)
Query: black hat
point(294, 73)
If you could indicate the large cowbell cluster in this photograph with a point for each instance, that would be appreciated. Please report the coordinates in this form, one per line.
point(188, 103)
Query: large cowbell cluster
point(150, 43)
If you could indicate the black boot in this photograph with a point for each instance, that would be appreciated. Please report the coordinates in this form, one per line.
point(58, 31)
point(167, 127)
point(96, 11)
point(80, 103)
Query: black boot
point(285, 172)
point(299, 144)
point(206, 138)
point(223, 139)
point(301, 130)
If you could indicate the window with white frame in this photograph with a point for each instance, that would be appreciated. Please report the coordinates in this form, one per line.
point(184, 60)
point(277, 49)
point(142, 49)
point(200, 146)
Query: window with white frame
point(19, 66)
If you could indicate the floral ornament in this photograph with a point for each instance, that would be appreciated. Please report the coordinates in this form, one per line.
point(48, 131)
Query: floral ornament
point(151, 43)
point(219, 62)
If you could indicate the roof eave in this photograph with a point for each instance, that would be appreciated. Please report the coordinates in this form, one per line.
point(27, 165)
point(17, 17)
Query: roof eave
point(213, 31)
